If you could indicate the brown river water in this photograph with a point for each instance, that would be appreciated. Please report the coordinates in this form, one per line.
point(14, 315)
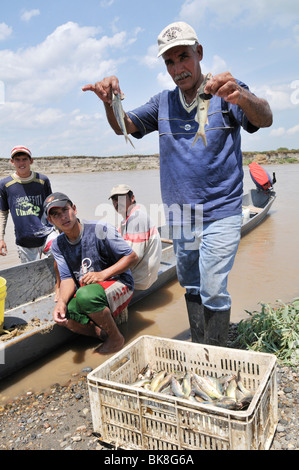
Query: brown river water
point(266, 269)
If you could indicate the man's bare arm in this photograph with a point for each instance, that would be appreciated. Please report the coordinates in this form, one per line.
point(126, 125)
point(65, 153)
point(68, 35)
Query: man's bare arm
point(3, 221)
point(257, 110)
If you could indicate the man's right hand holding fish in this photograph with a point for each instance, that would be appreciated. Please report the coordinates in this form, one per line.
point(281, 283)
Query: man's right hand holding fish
point(105, 89)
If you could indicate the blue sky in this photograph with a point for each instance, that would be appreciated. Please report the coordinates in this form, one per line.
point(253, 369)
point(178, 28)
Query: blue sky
point(49, 50)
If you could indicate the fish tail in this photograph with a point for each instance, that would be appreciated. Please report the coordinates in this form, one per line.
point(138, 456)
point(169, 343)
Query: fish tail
point(195, 139)
point(129, 140)
point(204, 139)
point(202, 135)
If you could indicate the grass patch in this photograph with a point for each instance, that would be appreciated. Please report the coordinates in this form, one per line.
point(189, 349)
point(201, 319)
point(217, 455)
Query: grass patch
point(273, 330)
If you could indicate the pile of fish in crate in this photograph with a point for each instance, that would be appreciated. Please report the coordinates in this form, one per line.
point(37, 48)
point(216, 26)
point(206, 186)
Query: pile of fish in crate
point(160, 393)
point(227, 391)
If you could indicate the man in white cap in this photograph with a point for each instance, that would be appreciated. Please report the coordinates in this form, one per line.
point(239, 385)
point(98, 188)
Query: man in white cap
point(23, 194)
point(203, 181)
point(140, 233)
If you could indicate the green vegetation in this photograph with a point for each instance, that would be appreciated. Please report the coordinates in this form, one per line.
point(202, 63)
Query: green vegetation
point(288, 160)
point(273, 330)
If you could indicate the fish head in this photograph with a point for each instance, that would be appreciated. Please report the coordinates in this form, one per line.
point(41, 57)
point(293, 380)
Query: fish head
point(200, 91)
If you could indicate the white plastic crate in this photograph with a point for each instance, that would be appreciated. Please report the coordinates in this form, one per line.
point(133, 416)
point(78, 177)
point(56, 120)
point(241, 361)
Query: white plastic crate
point(135, 418)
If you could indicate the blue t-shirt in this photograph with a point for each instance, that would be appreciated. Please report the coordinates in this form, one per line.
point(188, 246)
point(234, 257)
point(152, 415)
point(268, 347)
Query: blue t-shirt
point(25, 202)
point(99, 247)
point(210, 178)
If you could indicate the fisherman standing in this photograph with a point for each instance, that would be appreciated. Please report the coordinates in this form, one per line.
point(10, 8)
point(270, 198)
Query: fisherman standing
point(201, 185)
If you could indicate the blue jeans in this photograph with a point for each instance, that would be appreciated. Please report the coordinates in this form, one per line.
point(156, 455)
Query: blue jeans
point(205, 256)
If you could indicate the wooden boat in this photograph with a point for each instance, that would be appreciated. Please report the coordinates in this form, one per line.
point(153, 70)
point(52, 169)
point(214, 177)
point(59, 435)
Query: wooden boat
point(29, 305)
point(258, 204)
point(30, 298)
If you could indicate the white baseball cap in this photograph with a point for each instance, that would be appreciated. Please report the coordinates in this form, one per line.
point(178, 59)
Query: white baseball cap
point(176, 34)
point(120, 189)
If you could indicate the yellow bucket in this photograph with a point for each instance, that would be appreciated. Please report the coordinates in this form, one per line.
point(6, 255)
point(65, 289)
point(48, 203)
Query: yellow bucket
point(2, 299)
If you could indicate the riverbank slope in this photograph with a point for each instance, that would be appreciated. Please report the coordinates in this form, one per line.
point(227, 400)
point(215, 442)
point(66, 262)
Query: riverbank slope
point(87, 164)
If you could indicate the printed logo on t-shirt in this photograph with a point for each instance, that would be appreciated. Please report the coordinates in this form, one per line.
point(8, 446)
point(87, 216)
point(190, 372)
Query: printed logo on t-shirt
point(28, 205)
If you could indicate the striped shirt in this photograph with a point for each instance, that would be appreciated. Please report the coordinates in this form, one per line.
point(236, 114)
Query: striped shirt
point(143, 237)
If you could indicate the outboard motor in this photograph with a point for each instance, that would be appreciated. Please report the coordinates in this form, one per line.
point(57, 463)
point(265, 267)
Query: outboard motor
point(261, 177)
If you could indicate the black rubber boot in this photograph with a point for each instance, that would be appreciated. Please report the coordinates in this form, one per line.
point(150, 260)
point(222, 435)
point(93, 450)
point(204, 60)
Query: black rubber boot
point(216, 325)
point(196, 317)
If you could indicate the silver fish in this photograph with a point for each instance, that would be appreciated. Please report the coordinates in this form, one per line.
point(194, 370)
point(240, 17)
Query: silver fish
point(215, 382)
point(141, 382)
point(231, 389)
point(228, 403)
point(225, 379)
point(202, 111)
point(186, 385)
point(245, 391)
point(226, 391)
point(177, 388)
point(119, 115)
point(206, 386)
point(202, 119)
point(157, 379)
point(199, 392)
point(244, 402)
point(167, 390)
point(164, 383)
point(145, 372)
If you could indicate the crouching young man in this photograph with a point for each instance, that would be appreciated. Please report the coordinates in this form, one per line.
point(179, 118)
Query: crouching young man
point(94, 265)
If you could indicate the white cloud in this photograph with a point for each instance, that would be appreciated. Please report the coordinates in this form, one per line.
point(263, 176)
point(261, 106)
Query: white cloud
point(165, 81)
point(277, 132)
point(2, 93)
point(106, 3)
point(27, 116)
point(28, 14)
point(236, 13)
point(219, 65)
point(47, 117)
point(280, 131)
point(293, 130)
point(68, 58)
point(279, 97)
point(151, 60)
point(50, 128)
point(5, 31)
point(79, 120)
point(39, 81)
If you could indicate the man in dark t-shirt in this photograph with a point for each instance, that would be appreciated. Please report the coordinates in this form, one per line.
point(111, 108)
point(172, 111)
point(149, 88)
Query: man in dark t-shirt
point(23, 194)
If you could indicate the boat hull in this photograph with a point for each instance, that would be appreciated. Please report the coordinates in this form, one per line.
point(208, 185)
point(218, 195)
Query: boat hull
point(46, 336)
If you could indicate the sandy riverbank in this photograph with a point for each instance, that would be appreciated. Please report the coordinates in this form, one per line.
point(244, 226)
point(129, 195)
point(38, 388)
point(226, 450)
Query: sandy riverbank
point(87, 164)
point(60, 418)
point(84, 164)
